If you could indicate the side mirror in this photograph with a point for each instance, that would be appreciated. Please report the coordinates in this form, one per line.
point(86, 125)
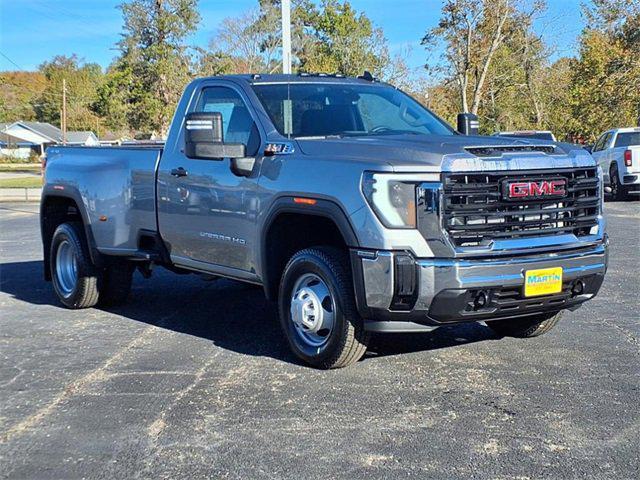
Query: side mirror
point(588, 148)
point(468, 124)
point(204, 139)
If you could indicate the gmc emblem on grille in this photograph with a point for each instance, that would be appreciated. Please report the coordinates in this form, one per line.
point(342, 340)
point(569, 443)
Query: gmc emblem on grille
point(524, 190)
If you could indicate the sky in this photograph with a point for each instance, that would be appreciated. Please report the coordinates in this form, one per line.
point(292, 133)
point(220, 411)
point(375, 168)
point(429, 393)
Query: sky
point(32, 31)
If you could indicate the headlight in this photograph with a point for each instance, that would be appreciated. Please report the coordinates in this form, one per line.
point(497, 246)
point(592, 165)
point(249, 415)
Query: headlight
point(392, 198)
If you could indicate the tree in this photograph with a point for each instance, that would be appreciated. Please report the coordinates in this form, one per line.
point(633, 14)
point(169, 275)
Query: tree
point(82, 81)
point(555, 93)
point(18, 91)
point(116, 96)
point(145, 83)
point(606, 76)
point(329, 38)
point(343, 41)
point(473, 33)
point(249, 43)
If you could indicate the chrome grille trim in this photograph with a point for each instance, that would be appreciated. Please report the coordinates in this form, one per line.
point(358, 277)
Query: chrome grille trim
point(474, 213)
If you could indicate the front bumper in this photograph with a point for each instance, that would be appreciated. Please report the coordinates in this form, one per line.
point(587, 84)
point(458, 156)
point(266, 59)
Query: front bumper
point(396, 292)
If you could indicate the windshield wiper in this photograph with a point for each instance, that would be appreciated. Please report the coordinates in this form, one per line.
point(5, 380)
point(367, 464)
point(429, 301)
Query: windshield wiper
point(397, 132)
point(358, 134)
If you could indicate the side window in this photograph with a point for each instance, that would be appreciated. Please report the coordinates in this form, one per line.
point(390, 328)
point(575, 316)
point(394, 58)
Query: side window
point(598, 146)
point(237, 124)
point(607, 140)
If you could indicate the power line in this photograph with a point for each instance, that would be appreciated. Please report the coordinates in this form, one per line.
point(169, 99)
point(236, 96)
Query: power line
point(45, 85)
point(11, 61)
point(54, 94)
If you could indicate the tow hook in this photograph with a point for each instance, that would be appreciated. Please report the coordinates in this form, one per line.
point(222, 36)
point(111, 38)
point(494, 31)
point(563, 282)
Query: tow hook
point(577, 288)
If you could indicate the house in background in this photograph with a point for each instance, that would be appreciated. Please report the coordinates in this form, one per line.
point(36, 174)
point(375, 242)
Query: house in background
point(86, 138)
point(42, 135)
point(14, 147)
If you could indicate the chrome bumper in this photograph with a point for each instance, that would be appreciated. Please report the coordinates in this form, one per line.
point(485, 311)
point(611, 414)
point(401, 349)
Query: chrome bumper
point(444, 285)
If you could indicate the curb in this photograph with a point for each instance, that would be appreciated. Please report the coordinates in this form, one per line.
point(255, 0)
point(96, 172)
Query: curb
point(20, 194)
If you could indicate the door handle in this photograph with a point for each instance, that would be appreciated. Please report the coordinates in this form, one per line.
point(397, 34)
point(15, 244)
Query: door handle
point(179, 172)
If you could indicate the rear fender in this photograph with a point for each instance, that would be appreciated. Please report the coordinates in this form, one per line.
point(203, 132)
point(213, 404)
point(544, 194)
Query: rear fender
point(50, 193)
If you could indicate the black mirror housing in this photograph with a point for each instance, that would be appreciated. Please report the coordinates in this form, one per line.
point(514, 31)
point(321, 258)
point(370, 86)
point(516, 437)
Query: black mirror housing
point(243, 167)
point(468, 124)
point(204, 138)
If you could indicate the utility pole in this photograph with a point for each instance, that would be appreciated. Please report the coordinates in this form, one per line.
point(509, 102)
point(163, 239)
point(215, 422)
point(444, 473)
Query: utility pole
point(64, 111)
point(286, 36)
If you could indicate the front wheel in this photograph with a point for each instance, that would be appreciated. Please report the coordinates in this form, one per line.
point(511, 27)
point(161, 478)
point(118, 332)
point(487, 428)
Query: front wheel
point(317, 309)
point(525, 327)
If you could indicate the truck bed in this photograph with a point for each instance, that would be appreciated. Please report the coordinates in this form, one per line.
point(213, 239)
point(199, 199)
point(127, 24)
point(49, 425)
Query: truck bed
point(115, 184)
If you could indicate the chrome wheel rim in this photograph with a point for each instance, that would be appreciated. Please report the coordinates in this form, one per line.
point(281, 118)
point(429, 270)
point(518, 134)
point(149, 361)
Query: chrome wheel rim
point(312, 310)
point(66, 268)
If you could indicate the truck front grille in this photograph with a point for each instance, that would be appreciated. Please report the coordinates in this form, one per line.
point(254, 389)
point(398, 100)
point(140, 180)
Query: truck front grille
point(475, 211)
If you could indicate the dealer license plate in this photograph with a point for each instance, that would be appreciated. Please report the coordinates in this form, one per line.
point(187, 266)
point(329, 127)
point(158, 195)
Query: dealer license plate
point(544, 281)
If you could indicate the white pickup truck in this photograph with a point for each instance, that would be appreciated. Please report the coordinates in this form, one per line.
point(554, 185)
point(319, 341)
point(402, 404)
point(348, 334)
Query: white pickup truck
point(617, 152)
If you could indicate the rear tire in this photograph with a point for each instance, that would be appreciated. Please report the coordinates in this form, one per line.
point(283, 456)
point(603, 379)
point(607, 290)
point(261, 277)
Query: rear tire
point(525, 327)
point(75, 277)
point(317, 309)
point(618, 191)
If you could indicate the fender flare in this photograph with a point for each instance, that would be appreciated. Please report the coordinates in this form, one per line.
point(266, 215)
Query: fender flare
point(49, 193)
point(286, 204)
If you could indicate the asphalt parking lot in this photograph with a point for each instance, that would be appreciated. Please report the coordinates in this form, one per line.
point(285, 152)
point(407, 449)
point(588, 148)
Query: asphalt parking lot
point(192, 379)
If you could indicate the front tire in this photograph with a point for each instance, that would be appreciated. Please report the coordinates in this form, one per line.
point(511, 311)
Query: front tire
point(317, 309)
point(75, 278)
point(525, 327)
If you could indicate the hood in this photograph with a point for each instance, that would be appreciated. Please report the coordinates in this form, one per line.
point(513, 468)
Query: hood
point(423, 152)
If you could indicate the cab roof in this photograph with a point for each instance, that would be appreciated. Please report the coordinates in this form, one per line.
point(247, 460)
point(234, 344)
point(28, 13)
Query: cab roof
point(626, 130)
point(257, 79)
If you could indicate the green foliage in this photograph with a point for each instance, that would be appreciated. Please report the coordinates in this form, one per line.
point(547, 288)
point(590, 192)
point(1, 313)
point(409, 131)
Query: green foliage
point(487, 47)
point(18, 91)
point(329, 38)
point(605, 80)
point(21, 182)
point(249, 43)
point(82, 80)
point(344, 41)
point(493, 64)
point(575, 98)
point(144, 84)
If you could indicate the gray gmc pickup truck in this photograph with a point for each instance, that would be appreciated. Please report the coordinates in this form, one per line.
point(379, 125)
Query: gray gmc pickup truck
point(352, 205)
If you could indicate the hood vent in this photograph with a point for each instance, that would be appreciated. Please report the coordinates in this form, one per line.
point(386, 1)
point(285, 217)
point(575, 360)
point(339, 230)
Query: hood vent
point(498, 150)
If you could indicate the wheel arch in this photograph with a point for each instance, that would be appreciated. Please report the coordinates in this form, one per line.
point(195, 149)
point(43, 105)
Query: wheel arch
point(56, 209)
point(287, 216)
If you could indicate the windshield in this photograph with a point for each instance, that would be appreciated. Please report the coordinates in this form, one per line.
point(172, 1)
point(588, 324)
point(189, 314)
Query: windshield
point(320, 110)
point(628, 139)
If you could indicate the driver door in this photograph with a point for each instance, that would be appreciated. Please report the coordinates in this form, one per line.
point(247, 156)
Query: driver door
point(207, 212)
